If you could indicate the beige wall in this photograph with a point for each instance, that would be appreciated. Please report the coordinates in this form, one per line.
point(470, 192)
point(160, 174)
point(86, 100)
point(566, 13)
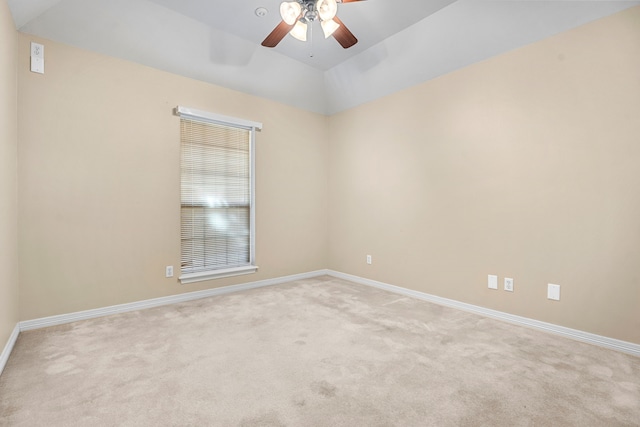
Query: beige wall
point(99, 181)
point(526, 166)
point(8, 176)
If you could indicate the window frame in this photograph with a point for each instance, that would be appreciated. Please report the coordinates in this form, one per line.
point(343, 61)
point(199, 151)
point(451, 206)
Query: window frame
point(252, 127)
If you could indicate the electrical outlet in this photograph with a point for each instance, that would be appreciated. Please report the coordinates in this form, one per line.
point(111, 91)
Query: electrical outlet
point(508, 284)
point(369, 261)
point(169, 271)
point(492, 281)
point(37, 58)
point(553, 292)
point(37, 50)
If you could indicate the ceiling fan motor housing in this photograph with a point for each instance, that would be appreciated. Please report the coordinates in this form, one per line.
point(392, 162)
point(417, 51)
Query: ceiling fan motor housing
point(297, 14)
point(310, 12)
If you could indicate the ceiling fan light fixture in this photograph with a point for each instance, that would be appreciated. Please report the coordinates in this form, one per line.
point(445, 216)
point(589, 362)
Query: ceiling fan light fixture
point(299, 31)
point(290, 11)
point(296, 15)
point(329, 27)
point(327, 9)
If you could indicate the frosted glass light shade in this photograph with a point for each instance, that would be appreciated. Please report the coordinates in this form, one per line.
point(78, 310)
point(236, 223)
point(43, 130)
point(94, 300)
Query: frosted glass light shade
point(327, 9)
point(290, 10)
point(329, 27)
point(299, 31)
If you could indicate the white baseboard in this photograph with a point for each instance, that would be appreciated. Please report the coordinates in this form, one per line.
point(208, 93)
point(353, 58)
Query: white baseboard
point(4, 356)
point(610, 343)
point(156, 302)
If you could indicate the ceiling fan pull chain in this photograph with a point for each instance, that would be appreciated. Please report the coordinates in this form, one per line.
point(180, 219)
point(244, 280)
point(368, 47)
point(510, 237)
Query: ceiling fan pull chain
point(310, 39)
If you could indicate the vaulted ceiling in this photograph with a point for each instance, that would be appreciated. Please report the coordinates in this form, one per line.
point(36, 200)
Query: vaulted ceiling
point(401, 42)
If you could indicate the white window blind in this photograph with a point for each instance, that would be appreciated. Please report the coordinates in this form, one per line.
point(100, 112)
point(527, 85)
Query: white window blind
point(217, 197)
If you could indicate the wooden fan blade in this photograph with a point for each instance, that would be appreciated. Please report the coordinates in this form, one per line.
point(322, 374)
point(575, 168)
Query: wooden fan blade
point(277, 34)
point(343, 35)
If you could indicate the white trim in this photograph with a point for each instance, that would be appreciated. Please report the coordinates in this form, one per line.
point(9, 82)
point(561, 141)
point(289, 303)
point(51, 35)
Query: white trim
point(156, 302)
point(217, 274)
point(8, 348)
point(251, 126)
point(599, 340)
point(252, 211)
point(217, 118)
point(610, 343)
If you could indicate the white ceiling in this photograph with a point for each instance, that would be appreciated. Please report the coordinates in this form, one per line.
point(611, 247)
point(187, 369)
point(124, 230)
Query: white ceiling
point(371, 21)
point(401, 42)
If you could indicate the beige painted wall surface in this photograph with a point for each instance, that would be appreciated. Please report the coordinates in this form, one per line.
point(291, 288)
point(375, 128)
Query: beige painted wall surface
point(526, 166)
point(8, 176)
point(99, 181)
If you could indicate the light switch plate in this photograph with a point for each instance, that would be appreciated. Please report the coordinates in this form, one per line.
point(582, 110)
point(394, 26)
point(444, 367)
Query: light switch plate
point(37, 65)
point(492, 281)
point(553, 292)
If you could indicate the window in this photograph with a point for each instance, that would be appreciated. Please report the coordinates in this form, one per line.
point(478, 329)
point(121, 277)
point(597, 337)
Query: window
point(217, 195)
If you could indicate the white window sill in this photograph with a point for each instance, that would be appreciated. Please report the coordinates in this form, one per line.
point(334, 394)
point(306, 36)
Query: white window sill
point(217, 274)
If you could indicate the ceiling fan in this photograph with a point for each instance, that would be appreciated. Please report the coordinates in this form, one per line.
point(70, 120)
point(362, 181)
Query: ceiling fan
point(297, 14)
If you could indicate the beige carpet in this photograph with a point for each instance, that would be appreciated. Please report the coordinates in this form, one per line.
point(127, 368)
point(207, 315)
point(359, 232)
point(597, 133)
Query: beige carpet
point(317, 352)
